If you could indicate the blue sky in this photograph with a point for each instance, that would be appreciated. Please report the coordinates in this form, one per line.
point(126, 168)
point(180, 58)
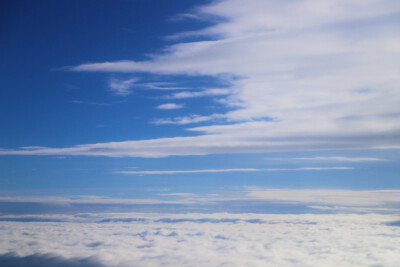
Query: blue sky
point(127, 99)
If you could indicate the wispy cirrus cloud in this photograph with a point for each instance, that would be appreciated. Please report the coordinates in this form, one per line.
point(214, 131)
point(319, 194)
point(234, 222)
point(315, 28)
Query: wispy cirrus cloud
point(178, 194)
point(91, 103)
point(166, 86)
point(251, 137)
point(234, 170)
point(170, 106)
point(187, 119)
point(333, 198)
point(206, 92)
point(122, 87)
point(343, 159)
point(331, 159)
point(327, 196)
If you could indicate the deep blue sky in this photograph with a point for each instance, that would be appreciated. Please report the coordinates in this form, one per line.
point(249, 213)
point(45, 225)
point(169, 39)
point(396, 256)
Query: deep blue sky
point(48, 99)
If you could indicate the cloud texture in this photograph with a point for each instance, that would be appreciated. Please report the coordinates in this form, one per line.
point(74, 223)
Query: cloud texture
point(304, 75)
point(226, 239)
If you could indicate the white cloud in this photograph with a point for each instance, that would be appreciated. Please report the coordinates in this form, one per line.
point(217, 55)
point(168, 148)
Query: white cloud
point(91, 103)
point(344, 159)
point(122, 87)
point(235, 170)
point(96, 200)
point(251, 137)
point(337, 197)
point(177, 194)
point(170, 106)
point(187, 119)
point(160, 86)
point(311, 75)
point(207, 92)
point(226, 239)
point(327, 196)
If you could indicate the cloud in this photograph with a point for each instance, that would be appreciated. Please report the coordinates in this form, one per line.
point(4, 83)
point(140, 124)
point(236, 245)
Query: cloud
point(331, 197)
point(238, 200)
point(207, 92)
point(250, 200)
point(250, 137)
point(160, 86)
point(309, 75)
point(226, 239)
point(187, 119)
point(91, 103)
point(344, 159)
point(178, 194)
point(235, 170)
point(122, 87)
point(170, 106)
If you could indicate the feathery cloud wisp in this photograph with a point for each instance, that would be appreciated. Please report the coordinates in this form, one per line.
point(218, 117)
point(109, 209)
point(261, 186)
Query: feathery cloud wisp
point(207, 92)
point(122, 87)
point(344, 159)
point(235, 170)
point(170, 106)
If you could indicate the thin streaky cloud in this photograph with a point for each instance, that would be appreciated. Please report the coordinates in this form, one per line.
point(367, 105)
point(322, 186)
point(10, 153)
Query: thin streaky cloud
point(187, 119)
point(91, 103)
point(177, 194)
point(336, 197)
point(341, 197)
point(234, 170)
point(170, 106)
point(344, 159)
point(161, 86)
point(207, 92)
point(333, 158)
point(249, 140)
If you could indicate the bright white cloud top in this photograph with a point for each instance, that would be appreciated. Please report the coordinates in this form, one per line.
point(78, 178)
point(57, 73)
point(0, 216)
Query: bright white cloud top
point(304, 75)
point(343, 227)
point(209, 239)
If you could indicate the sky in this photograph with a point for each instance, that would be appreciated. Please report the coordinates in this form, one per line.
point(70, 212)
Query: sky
point(119, 99)
point(149, 131)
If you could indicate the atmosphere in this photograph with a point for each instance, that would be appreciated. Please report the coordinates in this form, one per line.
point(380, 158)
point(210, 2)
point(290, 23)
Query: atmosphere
point(218, 123)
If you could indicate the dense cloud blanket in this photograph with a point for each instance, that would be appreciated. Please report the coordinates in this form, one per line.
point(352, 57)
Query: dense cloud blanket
point(203, 239)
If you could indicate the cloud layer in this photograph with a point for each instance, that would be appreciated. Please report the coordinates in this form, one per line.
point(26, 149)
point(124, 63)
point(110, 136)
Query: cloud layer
point(226, 239)
point(221, 200)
